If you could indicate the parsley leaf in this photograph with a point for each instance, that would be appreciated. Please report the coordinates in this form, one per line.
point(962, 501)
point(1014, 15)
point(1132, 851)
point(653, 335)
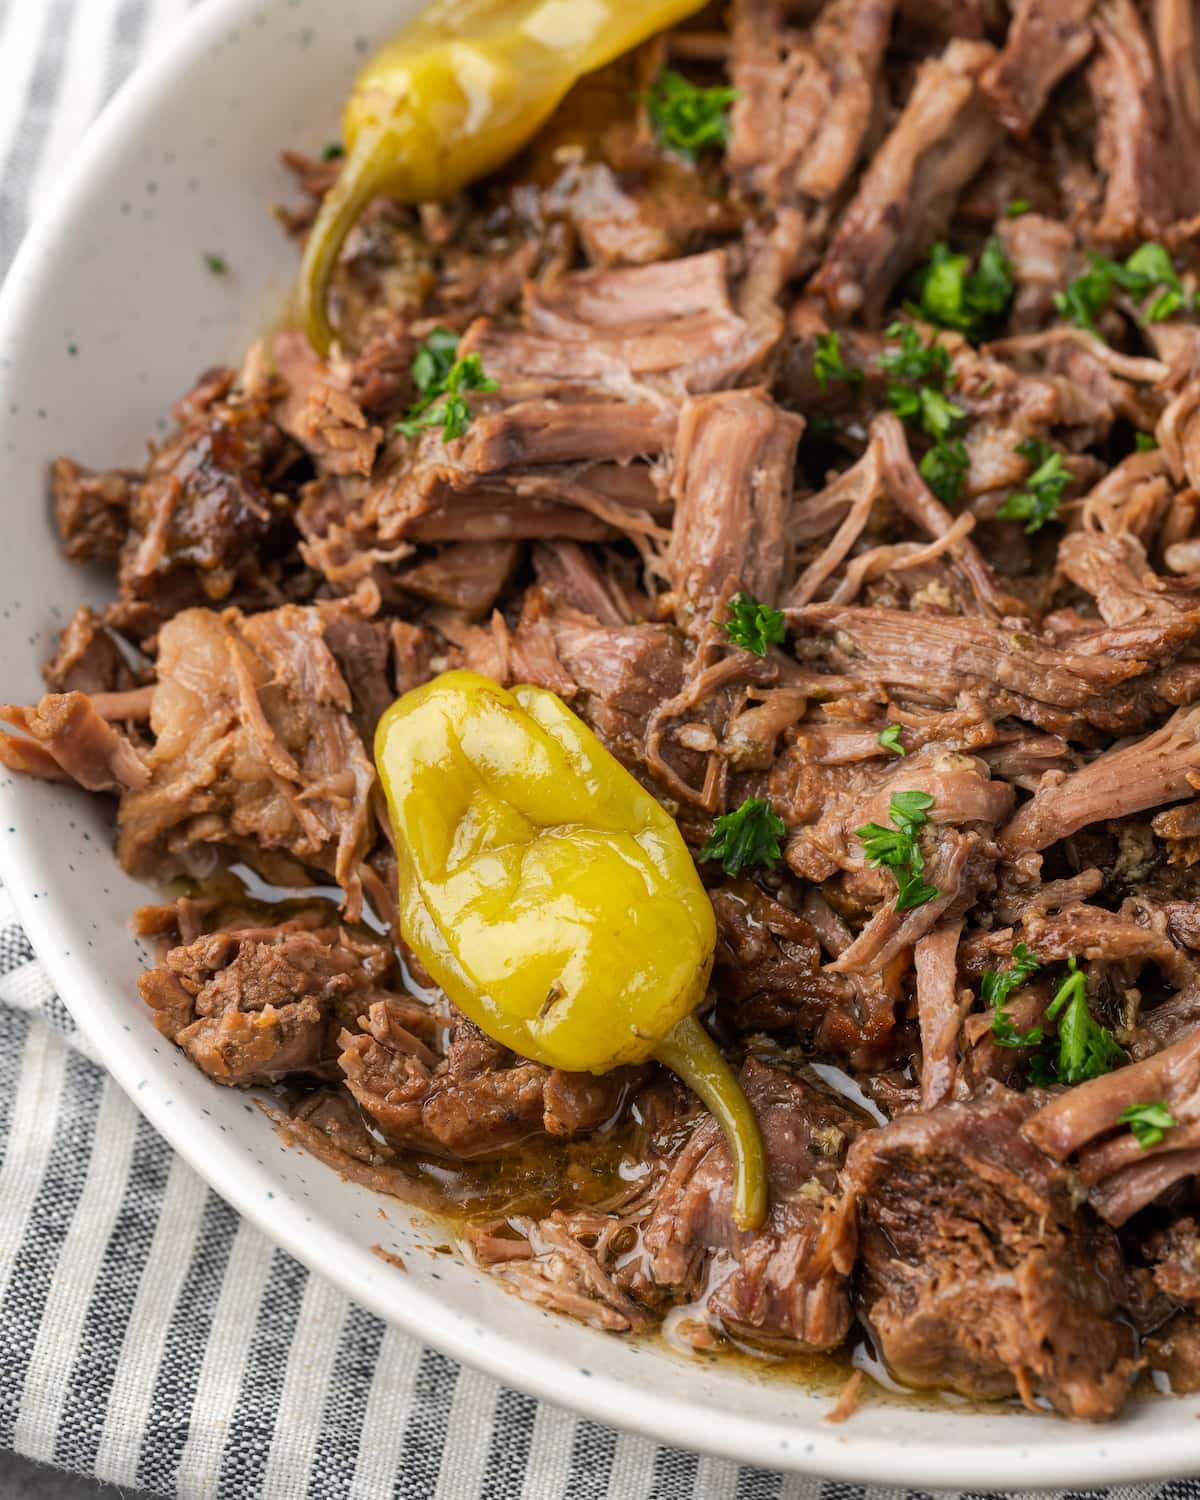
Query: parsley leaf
point(828, 363)
point(1038, 502)
point(1017, 207)
point(747, 836)
point(997, 984)
point(954, 296)
point(334, 151)
point(1148, 270)
point(944, 469)
point(686, 118)
point(217, 264)
point(1085, 1048)
point(889, 739)
point(898, 848)
point(995, 988)
point(754, 626)
point(1005, 1034)
point(1086, 297)
point(441, 378)
point(915, 362)
point(1145, 442)
point(1149, 1123)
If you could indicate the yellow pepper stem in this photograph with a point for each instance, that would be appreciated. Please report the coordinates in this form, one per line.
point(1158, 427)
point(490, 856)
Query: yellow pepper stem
point(689, 1051)
point(366, 168)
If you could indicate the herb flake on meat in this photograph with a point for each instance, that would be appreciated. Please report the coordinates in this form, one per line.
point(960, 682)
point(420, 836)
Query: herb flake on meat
point(686, 117)
point(1086, 1049)
point(1037, 502)
point(953, 295)
point(754, 626)
point(746, 837)
point(889, 739)
point(898, 848)
point(441, 378)
point(828, 363)
point(1148, 1122)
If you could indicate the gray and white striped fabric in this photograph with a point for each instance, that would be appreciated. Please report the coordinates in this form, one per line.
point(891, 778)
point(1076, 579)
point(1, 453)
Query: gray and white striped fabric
point(147, 1336)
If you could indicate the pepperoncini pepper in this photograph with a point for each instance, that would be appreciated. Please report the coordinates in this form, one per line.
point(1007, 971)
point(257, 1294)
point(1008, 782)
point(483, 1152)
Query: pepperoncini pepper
point(551, 897)
point(453, 97)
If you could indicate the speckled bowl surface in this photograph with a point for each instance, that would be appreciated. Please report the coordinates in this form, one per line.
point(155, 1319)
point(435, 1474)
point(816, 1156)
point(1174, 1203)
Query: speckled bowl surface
point(106, 317)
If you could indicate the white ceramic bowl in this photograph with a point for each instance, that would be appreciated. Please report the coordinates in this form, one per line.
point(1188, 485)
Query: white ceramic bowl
point(105, 318)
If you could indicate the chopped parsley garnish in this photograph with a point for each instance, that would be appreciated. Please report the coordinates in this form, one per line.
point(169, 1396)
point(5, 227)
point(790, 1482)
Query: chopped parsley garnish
point(953, 296)
point(918, 374)
point(994, 990)
point(754, 626)
point(889, 739)
point(217, 264)
point(1086, 297)
point(1017, 207)
point(828, 363)
point(1145, 442)
point(944, 469)
point(687, 118)
point(898, 847)
point(998, 984)
point(441, 378)
point(1149, 1123)
point(1038, 501)
point(334, 151)
point(747, 836)
point(915, 362)
point(1148, 271)
point(1085, 1048)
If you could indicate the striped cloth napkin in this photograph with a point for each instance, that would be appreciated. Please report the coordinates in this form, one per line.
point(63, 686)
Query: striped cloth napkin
point(148, 1336)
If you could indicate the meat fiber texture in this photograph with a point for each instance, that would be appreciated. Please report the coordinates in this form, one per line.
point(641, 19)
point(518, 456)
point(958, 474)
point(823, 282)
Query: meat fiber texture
point(696, 404)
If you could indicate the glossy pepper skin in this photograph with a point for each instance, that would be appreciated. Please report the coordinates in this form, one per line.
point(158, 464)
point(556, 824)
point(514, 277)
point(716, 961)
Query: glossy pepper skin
point(456, 94)
point(550, 895)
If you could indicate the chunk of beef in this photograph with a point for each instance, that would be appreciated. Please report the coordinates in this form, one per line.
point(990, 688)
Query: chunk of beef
point(91, 509)
point(1133, 144)
point(320, 413)
point(1123, 1173)
point(768, 974)
point(1041, 252)
point(960, 785)
point(362, 648)
point(1131, 778)
point(805, 101)
point(1115, 570)
point(786, 1280)
point(672, 323)
point(1176, 1352)
point(255, 749)
point(1177, 42)
point(468, 576)
point(733, 478)
point(1175, 1255)
point(256, 1004)
point(905, 198)
point(66, 738)
point(1098, 677)
point(200, 519)
point(476, 1100)
point(88, 659)
point(940, 1010)
point(1046, 40)
point(976, 1270)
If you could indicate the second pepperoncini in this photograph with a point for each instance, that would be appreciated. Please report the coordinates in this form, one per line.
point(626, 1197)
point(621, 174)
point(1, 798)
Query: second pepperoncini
point(551, 897)
point(453, 97)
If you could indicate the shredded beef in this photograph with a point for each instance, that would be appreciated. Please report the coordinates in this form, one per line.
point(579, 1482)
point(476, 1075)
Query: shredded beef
point(830, 478)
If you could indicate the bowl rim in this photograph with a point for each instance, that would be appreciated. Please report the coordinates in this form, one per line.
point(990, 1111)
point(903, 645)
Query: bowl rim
point(835, 1453)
